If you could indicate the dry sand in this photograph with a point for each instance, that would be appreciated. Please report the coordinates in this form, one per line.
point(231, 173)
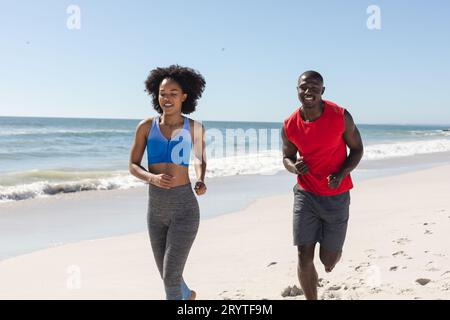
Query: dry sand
point(398, 233)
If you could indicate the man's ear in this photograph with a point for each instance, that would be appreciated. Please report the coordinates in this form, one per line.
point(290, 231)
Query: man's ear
point(323, 90)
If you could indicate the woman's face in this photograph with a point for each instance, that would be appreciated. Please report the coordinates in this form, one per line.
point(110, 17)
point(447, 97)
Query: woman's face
point(171, 97)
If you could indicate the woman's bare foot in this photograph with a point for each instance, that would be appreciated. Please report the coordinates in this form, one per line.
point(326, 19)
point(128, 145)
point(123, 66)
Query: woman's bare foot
point(193, 295)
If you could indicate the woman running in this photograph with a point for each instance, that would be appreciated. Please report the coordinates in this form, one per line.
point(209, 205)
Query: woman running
point(173, 212)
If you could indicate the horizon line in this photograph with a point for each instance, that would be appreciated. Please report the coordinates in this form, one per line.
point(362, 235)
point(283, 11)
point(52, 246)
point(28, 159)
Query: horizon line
point(96, 118)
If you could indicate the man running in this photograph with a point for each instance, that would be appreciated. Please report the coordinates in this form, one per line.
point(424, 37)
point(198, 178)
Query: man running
point(320, 132)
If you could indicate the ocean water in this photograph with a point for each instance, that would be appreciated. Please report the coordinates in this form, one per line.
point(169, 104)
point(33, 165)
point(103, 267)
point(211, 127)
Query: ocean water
point(41, 157)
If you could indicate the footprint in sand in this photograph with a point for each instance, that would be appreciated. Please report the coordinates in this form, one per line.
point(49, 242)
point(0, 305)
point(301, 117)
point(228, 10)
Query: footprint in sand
point(394, 268)
point(362, 266)
point(423, 281)
point(401, 254)
point(327, 295)
point(432, 269)
point(428, 232)
point(322, 282)
point(446, 272)
point(361, 283)
point(431, 266)
point(446, 286)
point(292, 291)
point(371, 253)
point(398, 253)
point(406, 290)
point(401, 240)
point(351, 295)
point(334, 288)
point(375, 290)
point(271, 264)
point(239, 294)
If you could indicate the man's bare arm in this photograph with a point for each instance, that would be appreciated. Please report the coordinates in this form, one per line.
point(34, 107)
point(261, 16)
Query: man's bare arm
point(290, 160)
point(353, 140)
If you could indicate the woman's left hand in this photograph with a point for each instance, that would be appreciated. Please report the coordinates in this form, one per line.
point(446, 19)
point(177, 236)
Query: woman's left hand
point(200, 188)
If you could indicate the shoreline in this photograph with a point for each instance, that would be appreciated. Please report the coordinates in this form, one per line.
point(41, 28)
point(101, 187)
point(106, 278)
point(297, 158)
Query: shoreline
point(41, 223)
point(397, 235)
point(71, 182)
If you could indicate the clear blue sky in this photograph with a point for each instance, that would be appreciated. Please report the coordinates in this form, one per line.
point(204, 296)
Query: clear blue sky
point(250, 52)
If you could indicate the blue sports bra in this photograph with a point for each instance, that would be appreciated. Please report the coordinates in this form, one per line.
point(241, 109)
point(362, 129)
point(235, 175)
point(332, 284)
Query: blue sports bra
point(176, 150)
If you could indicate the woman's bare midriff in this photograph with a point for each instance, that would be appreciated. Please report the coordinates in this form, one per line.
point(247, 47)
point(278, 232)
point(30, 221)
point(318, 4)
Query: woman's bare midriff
point(180, 173)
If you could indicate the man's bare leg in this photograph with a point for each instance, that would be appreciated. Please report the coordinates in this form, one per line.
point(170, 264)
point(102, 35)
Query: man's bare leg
point(329, 258)
point(306, 271)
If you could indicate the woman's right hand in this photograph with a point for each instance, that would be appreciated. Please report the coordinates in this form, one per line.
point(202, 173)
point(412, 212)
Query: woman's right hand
point(162, 180)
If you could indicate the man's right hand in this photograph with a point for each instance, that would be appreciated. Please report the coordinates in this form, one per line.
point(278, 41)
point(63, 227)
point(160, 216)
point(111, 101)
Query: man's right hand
point(300, 166)
point(162, 180)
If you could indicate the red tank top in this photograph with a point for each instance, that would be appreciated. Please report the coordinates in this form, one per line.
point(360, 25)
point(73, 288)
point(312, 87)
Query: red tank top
point(322, 146)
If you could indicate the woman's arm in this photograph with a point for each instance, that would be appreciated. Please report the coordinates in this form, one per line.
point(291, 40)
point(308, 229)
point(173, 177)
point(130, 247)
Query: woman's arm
point(199, 157)
point(137, 152)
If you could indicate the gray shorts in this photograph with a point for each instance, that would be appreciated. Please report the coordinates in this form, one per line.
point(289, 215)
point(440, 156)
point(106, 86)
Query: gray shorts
point(320, 219)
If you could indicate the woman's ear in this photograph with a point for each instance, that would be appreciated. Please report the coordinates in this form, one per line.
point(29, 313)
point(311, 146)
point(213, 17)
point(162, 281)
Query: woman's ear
point(184, 97)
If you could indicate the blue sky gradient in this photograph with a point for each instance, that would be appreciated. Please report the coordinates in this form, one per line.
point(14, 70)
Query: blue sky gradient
point(250, 52)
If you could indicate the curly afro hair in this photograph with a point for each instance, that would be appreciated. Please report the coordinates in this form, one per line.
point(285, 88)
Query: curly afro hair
point(190, 80)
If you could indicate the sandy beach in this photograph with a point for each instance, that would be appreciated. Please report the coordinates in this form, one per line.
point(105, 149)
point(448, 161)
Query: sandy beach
point(396, 248)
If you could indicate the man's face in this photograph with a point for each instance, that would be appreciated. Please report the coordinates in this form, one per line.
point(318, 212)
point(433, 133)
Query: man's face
point(310, 91)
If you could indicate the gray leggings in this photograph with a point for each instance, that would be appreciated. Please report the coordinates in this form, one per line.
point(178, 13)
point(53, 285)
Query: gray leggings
point(173, 220)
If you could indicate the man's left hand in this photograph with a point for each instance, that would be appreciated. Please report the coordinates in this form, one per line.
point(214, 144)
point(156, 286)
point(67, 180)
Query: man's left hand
point(334, 180)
